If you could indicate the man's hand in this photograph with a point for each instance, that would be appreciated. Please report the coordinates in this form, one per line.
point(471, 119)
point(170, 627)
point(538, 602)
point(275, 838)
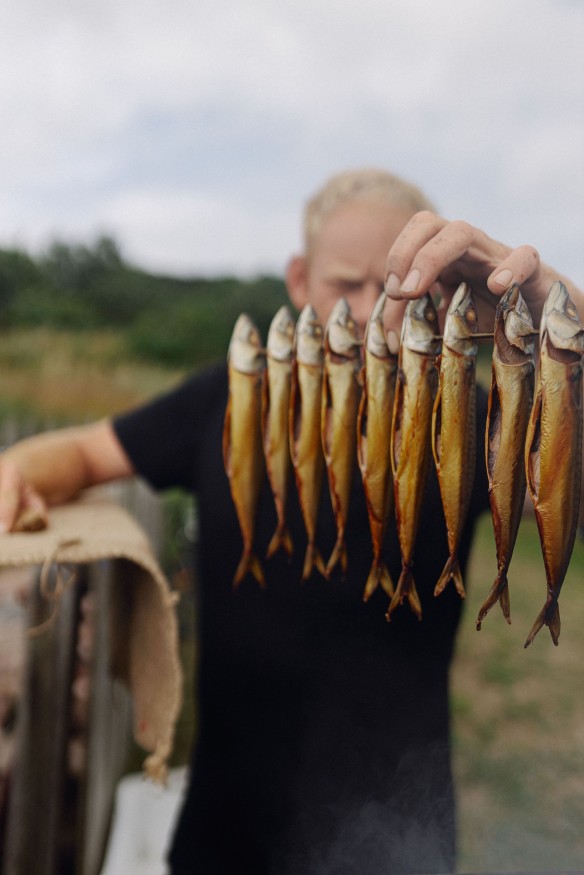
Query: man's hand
point(21, 507)
point(435, 255)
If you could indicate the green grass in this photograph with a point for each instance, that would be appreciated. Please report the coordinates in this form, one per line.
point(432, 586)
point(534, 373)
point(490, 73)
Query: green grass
point(518, 717)
point(61, 374)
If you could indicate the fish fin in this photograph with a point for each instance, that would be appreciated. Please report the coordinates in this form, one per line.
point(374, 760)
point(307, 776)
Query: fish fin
point(281, 539)
point(550, 616)
point(226, 442)
point(532, 448)
point(378, 576)
point(325, 418)
point(362, 432)
point(505, 602)
point(437, 427)
point(294, 410)
point(499, 593)
point(249, 564)
point(339, 554)
point(396, 422)
point(406, 588)
point(451, 571)
point(312, 559)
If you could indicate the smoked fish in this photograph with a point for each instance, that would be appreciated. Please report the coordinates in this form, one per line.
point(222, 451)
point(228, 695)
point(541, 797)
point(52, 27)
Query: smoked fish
point(553, 450)
point(305, 439)
point(373, 442)
point(340, 404)
point(417, 381)
point(275, 422)
point(509, 407)
point(242, 439)
point(454, 426)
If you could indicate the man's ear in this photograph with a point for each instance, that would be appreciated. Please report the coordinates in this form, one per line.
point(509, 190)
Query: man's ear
point(297, 281)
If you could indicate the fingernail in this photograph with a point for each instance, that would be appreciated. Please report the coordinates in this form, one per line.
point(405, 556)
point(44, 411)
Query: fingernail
point(411, 282)
point(504, 277)
point(392, 286)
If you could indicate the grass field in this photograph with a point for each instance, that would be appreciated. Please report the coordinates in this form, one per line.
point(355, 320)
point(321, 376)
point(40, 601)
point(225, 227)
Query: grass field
point(519, 719)
point(518, 714)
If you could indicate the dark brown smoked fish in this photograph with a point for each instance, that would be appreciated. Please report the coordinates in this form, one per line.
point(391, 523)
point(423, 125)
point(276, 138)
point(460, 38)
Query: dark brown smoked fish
point(340, 404)
point(275, 422)
point(242, 439)
point(373, 442)
point(304, 420)
point(417, 381)
point(454, 426)
point(553, 451)
point(510, 401)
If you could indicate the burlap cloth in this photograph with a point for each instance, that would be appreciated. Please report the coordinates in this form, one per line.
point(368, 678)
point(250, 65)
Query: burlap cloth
point(145, 632)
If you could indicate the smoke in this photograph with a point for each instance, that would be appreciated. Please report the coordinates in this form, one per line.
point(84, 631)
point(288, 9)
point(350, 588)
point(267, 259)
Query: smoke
point(408, 830)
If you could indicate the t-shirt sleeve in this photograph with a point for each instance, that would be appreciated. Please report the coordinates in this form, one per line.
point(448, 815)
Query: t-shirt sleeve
point(163, 437)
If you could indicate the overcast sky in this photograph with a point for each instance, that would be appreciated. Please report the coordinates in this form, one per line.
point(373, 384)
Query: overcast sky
point(193, 130)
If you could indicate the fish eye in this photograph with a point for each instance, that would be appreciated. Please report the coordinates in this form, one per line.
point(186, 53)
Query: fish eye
point(317, 330)
point(571, 310)
point(350, 324)
point(430, 315)
point(471, 315)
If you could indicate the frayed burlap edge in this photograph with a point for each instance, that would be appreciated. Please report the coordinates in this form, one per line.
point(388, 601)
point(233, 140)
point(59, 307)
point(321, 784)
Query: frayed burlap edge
point(147, 653)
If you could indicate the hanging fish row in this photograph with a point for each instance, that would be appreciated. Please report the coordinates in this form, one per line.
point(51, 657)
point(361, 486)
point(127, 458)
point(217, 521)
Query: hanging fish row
point(307, 401)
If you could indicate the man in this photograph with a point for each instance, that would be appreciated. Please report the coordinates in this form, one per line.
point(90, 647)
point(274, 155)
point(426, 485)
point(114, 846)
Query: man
point(323, 730)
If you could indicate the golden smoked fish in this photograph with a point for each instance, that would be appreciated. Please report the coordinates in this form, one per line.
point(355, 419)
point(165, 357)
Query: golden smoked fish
point(417, 381)
point(454, 426)
point(275, 422)
point(510, 400)
point(305, 439)
point(340, 404)
point(553, 451)
point(373, 442)
point(242, 439)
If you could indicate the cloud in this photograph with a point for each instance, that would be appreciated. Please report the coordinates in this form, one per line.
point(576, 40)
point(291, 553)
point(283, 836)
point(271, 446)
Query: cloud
point(231, 114)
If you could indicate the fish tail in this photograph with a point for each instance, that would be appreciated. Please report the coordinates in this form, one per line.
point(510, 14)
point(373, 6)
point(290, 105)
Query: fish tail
point(312, 559)
point(406, 588)
point(378, 576)
point(499, 593)
point(339, 554)
point(249, 564)
point(281, 540)
point(550, 616)
point(451, 571)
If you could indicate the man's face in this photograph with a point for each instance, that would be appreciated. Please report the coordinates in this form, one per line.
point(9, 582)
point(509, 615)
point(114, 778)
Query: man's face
point(348, 257)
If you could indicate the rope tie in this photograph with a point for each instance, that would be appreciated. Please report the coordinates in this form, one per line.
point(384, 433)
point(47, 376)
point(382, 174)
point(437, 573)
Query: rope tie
point(64, 577)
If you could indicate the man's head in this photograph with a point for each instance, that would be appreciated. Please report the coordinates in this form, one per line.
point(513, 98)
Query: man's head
point(349, 226)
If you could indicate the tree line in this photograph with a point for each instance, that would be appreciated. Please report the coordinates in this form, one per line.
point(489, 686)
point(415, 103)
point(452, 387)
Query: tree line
point(177, 322)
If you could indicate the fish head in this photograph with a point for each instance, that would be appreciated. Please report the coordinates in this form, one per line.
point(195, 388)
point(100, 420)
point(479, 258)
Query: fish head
point(245, 348)
point(514, 319)
point(280, 341)
point(420, 326)
point(560, 321)
point(308, 338)
point(375, 341)
point(461, 323)
point(342, 332)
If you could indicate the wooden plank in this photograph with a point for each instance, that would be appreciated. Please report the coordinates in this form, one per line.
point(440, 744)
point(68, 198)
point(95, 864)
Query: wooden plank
point(34, 843)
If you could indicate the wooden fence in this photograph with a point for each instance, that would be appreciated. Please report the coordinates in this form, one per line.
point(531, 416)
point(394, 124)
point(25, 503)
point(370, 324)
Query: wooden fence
point(69, 750)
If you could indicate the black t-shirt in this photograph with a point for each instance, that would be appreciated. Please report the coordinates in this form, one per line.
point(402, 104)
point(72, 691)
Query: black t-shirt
point(323, 729)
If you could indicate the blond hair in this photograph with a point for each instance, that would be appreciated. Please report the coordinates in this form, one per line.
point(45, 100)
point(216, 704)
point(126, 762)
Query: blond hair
point(364, 184)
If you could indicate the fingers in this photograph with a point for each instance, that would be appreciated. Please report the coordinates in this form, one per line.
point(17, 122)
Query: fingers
point(431, 250)
point(521, 264)
point(16, 496)
point(400, 262)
